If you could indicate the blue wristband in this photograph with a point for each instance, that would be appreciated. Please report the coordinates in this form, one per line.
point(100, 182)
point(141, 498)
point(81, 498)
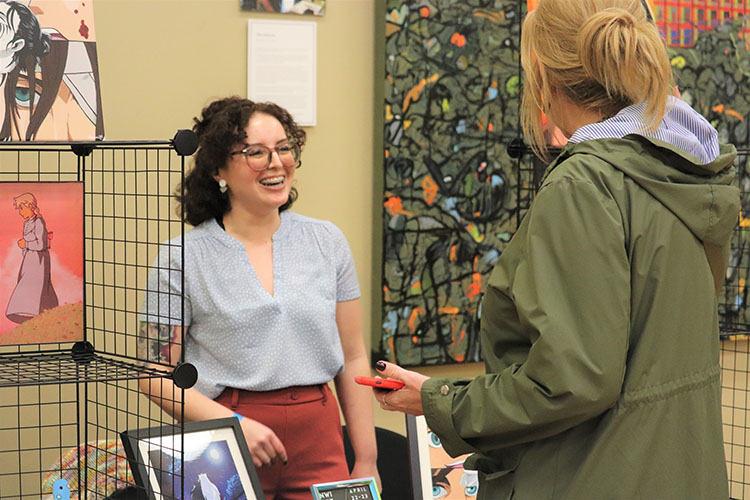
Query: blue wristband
point(238, 417)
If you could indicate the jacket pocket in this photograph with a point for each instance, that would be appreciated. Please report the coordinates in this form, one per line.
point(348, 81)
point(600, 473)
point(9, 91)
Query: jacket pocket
point(497, 472)
point(496, 486)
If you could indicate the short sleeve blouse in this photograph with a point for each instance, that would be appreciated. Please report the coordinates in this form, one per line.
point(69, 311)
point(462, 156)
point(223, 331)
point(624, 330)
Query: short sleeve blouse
point(238, 334)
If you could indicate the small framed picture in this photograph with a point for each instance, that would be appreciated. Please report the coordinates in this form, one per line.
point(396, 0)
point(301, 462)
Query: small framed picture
point(351, 489)
point(434, 473)
point(315, 7)
point(214, 463)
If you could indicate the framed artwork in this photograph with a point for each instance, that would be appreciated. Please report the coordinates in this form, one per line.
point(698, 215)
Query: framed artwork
point(434, 473)
point(215, 461)
point(315, 7)
point(351, 489)
point(41, 250)
point(451, 193)
point(49, 46)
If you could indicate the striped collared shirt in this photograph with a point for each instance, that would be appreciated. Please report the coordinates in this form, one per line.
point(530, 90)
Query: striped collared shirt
point(682, 127)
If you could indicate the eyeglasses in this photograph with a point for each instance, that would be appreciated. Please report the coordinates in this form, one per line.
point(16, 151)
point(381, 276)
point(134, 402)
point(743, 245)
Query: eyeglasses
point(259, 157)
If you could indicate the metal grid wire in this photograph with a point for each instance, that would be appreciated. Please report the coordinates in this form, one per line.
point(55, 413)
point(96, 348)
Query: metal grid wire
point(64, 404)
point(735, 345)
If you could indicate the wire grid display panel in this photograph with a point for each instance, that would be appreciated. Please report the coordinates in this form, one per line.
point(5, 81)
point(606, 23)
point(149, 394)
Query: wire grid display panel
point(116, 405)
point(735, 345)
point(130, 214)
point(62, 405)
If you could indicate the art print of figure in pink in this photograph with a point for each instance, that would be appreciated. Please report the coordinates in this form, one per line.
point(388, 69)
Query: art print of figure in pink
point(33, 293)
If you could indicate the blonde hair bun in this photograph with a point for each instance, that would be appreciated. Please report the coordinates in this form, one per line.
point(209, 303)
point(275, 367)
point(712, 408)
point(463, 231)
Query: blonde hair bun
point(603, 54)
point(608, 45)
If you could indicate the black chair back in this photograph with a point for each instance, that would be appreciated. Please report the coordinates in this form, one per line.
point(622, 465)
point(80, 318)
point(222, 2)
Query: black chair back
point(393, 463)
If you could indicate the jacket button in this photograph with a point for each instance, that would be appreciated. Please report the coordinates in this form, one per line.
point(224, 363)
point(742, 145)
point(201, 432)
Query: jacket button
point(444, 390)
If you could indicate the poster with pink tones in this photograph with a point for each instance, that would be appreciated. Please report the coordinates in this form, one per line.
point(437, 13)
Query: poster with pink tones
point(49, 72)
point(41, 262)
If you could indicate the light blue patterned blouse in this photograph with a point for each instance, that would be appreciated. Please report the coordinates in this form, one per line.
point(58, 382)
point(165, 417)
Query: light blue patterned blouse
point(241, 336)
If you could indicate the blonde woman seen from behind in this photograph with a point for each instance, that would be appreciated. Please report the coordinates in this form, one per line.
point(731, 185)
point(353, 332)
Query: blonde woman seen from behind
point(599, 322)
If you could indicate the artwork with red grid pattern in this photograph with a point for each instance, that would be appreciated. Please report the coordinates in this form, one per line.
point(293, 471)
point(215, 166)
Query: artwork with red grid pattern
point(680, 21)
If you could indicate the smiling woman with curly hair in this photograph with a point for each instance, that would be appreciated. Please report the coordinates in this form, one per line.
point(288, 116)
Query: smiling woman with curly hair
point(271, 303)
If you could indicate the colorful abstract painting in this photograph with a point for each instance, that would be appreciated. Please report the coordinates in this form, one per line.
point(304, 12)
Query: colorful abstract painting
point(451, 193)
point(49, 71)
point(41, 251)
point(315, 7)
point(452, 197)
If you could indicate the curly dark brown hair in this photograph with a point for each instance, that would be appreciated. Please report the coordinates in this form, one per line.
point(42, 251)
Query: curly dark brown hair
point(220, 128)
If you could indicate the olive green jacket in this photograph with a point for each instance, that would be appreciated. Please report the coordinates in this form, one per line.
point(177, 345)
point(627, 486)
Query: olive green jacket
point(600, 334)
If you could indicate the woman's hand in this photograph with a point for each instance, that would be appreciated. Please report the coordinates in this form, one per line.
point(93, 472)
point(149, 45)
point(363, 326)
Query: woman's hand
point(369, 470)
point(265, 446)
point(22, 243)
point(408, 399)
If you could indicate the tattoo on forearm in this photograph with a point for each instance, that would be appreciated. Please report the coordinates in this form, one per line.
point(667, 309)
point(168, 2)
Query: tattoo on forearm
point(155, 342)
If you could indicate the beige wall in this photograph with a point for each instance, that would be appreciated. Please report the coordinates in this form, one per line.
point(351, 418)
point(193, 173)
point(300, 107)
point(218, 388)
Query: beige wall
point(161, 61)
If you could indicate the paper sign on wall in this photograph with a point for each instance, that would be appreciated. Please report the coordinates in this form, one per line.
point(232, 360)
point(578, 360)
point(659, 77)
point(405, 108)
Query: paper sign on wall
point(282, 60)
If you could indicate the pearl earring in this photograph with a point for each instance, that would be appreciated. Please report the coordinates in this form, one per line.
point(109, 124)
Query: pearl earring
point(223, 186)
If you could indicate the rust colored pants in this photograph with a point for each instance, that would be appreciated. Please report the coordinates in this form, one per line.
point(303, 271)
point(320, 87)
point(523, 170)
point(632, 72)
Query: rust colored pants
point(306, 419)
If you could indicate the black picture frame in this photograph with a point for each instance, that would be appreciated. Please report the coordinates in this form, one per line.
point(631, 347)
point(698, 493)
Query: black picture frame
point(215, 447)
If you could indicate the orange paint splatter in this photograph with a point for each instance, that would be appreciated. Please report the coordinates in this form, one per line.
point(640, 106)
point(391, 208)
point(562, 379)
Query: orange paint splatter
point(395, 206)
point(722, 109)
point(492, 16)
point(415, 91)
point(387, 153)
point(453, 253)
point(430, 189)
point(489, 127)
point(424, 12)
point(458, 39)
point(475, 287)
point(744, 222)
point(415, 339)
point(386, 294)
point(415, 314)
point(448, 310)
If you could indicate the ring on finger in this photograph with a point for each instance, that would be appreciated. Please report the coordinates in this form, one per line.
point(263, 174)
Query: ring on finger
point(385, 403)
